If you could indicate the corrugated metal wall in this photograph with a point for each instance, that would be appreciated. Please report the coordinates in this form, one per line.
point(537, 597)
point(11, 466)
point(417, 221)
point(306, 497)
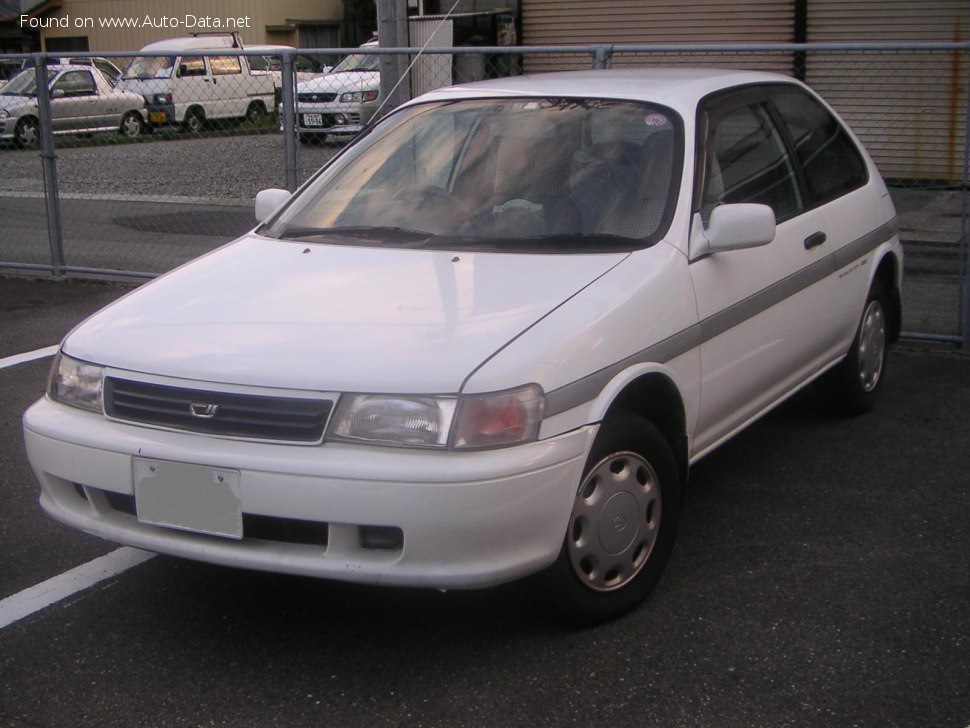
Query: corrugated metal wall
point(555, 22)
point(910, 108)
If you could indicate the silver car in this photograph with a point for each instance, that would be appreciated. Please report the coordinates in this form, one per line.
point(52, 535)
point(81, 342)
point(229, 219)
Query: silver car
point(82, 101)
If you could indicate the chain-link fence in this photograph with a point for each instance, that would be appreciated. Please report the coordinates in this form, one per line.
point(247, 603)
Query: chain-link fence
point(126, 165)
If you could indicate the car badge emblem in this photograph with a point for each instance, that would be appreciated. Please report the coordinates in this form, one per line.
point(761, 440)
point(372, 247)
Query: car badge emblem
point(203, 411)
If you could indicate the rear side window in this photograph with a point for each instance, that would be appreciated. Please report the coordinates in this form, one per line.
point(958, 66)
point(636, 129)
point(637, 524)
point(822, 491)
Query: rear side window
point(832, 164)
point(191, 66)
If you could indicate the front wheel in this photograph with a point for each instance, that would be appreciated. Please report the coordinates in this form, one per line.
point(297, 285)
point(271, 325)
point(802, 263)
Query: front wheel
point(194, 122)
point(255, 112)
point(27, 132)
point(621, 529)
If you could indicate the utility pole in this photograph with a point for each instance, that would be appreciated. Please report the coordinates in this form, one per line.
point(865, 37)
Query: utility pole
point(392, 30)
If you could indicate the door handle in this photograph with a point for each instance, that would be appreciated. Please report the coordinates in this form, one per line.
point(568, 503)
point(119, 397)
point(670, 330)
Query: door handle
point(814, 240)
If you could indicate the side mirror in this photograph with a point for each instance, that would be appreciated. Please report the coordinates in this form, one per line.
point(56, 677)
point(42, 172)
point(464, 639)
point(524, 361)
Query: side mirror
point(268, 201)
point(58, 93)
point(732, 227)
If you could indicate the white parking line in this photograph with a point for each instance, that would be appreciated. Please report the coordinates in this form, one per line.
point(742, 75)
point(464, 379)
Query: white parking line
point(10, 361)
point(36, 598)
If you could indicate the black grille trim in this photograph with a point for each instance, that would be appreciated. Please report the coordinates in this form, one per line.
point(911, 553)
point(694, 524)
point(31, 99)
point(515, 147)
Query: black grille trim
point(246, 416)
point(317, 98)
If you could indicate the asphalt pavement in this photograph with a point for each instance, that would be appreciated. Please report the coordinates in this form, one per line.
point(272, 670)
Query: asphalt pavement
point(820, 577)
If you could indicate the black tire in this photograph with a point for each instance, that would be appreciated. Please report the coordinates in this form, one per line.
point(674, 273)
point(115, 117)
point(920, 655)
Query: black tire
point(194, 121)
point(855, 383)
point(27, 132)
point(609, 561)
point(132, 125)
point(255, 112)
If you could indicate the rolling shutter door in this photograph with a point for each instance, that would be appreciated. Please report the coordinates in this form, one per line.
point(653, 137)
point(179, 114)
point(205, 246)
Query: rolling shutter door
point(559, 22)
point(908, 107)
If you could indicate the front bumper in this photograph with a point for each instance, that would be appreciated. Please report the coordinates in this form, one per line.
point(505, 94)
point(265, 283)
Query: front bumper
point(7, 126)
point(330, 118)
point(468, 519)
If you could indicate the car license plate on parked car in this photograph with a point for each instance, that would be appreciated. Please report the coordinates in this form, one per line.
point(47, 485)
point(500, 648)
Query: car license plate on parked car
point(157, 117)
point(188, 497)
point(313, 120)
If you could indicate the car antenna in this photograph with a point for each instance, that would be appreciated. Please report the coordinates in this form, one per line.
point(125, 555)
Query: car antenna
point(407, 70)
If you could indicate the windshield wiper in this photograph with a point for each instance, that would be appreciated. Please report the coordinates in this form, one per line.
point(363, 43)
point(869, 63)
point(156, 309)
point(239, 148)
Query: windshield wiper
point(365, 232)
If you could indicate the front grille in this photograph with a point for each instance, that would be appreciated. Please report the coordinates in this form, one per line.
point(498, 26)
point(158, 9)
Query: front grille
point(217, 413)
point(320, 98)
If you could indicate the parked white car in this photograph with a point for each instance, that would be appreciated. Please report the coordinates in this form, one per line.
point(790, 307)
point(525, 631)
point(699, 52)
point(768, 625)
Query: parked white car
point(270, 63)
point(487, 340)
point(329, 106)
point(186, 89)
point(82, 101)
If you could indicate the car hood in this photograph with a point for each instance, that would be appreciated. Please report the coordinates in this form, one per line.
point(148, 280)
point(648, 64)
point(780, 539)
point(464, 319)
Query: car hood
point(271, 313)
point(8, 103)
point(341, 82)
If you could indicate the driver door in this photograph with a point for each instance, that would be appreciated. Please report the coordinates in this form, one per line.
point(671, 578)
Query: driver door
point(761, 309)
point(74, 101)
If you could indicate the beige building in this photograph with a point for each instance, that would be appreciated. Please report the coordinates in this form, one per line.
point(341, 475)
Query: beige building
point(128, 25)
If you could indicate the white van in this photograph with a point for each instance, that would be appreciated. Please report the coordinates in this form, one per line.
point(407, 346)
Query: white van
point(186, 89)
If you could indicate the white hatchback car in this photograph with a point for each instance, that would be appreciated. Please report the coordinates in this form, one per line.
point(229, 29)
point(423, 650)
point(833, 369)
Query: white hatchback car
point(486, 340)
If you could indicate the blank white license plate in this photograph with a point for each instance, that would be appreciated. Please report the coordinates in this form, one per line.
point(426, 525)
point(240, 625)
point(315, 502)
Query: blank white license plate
point(313, 120)
point(188, 497)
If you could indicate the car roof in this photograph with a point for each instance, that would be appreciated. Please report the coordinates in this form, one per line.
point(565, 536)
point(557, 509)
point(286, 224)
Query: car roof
point(679, 88)
point(201, 43)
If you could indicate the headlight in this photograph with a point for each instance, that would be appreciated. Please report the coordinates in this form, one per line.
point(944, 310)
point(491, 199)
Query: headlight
point(4, 114)
point(476, 421)
point(392, 420)
point(356, 97)
point(76, 383)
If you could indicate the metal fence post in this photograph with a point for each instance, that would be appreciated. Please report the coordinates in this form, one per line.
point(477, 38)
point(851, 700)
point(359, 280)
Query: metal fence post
point(603, 58)
point(49, 161)
point(289, 121)
point(965, 232)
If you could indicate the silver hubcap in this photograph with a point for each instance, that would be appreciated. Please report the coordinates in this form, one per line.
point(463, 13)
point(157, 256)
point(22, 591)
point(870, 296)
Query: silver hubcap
point(28, 133)
point(872, 346)
point(131, 126)
point(615, 521)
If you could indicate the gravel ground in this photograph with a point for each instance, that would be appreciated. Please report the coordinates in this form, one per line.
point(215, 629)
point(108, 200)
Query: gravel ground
point(235, 167)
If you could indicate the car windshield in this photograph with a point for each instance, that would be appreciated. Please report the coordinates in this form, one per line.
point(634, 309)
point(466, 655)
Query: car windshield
point(358, 62)
point(149, 67)
point(516, 175)
point(24, 83)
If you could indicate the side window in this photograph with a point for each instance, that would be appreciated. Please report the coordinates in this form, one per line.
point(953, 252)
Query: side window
point(110, 72)
point(76, 83)
point(746, 160)
point(260, 63)
point(225, 65)
point(191, 66)
point(831, 162)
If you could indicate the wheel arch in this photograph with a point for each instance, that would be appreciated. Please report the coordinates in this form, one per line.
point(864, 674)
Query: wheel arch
point(194, 110)
point(654, 395)
point(888, 274)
